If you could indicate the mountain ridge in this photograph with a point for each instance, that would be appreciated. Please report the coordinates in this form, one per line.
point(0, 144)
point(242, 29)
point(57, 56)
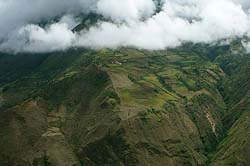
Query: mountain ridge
point(122, 105)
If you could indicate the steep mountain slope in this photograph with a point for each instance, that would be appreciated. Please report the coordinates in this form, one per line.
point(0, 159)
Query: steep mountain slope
point(234, 149)
point(183, 106)
point(112, 107)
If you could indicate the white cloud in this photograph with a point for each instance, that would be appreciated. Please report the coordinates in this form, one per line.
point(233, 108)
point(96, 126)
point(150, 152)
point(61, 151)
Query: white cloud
point(33, 38)
point(246, 45)
point(133, 23)
point(194, 21)
point(17, 13)
point(126, 10)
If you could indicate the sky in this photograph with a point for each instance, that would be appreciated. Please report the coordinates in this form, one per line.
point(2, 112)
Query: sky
point(132, 23)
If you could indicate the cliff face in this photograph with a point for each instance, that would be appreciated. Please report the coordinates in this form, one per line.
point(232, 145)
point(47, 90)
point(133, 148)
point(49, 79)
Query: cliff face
point(124, 107)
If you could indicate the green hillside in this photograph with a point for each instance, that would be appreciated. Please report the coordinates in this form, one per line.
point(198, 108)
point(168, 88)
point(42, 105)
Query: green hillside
point(183, 106)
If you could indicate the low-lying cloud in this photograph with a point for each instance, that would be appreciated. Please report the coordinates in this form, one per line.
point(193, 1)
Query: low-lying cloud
point(246, 45)
point(133, 23)
point(33, 38)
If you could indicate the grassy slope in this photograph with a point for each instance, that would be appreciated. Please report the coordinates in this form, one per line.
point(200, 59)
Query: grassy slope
point(118, 107)
point(234, 148)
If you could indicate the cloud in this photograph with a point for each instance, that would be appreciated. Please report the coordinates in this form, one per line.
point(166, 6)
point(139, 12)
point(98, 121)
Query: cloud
point(33, 38)
point(246, 45)
point(125, 10)
point(178, 22)
point(16, 13)
point(133, 23)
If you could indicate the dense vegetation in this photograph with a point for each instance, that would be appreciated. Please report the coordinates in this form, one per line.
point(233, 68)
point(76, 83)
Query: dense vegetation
point(183, 106)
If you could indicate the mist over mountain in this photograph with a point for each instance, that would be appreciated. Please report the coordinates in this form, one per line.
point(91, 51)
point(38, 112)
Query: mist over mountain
point(46, 26)
point(124, 82)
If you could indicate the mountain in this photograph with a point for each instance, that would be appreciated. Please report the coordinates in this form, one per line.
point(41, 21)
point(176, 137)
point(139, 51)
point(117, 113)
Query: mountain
point(183, 106)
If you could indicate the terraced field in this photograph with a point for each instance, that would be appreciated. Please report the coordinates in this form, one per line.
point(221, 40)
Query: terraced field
point(124, 107)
